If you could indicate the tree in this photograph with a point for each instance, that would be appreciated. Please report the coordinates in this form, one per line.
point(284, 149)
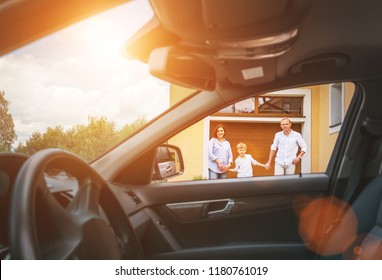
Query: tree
point(90, 141)
point(7, 128)
point(87, 141)
point(51, 138)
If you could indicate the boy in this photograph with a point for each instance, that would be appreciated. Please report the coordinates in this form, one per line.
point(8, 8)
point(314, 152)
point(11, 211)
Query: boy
point(243, 162)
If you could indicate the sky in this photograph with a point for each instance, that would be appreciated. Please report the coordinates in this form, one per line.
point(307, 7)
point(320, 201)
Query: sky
point(79, 72)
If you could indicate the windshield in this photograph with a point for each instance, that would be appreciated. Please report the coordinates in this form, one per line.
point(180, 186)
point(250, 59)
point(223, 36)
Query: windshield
point(74, 89)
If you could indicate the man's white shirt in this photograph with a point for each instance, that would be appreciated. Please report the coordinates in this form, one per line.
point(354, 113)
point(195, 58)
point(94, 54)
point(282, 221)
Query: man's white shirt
point(287, 146)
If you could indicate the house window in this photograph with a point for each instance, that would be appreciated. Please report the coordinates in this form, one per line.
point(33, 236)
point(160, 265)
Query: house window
point(336, 107)
point(280, 105)
point(266, 106)
point(245, 106)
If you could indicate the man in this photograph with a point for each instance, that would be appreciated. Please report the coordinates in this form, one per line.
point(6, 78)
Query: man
point(286, 143)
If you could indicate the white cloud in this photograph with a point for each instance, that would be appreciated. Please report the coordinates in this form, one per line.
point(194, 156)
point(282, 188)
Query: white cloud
point(53, 83)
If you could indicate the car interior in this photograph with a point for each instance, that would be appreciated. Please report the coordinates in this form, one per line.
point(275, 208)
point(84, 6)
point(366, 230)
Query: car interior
point(131, 203)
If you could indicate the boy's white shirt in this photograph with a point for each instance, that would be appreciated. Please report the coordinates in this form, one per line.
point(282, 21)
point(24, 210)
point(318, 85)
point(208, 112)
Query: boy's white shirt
point(243, 166)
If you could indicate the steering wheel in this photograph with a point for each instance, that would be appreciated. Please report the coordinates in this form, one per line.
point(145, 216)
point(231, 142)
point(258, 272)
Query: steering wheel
point(92, 226)
point(10, 164)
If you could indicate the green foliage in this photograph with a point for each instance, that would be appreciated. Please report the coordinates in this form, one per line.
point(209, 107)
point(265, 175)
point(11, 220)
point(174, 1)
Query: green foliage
point(7, 127)
point(198, 177)
point(88, 141)
point(93, 139)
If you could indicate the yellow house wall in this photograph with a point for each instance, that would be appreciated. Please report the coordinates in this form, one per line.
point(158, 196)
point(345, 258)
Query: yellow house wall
point(349, 92)
point(177, 93)
point(314, 125)
point(322, 141)
point(190, 140)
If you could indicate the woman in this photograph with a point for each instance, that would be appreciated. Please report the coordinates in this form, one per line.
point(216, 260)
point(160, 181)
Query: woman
point(219, 154)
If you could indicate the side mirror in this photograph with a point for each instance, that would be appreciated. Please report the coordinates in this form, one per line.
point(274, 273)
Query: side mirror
point(168, 162)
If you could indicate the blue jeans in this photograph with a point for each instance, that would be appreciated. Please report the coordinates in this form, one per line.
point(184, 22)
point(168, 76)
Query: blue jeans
point(213, 175)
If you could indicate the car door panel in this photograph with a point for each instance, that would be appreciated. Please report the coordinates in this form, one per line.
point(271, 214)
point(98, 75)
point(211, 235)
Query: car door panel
point(255, 218)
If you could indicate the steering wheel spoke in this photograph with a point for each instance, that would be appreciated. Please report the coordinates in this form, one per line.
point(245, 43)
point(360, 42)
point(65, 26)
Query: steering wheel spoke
point(86, 201)
point(59, 233)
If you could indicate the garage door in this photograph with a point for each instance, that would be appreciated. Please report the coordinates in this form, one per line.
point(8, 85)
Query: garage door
point(258, 137)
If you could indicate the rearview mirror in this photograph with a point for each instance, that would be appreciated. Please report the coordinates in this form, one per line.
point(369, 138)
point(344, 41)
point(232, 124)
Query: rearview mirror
point(168, 162)
point(182, 68)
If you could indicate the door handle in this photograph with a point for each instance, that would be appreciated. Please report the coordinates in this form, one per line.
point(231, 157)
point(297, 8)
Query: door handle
point(229, 204)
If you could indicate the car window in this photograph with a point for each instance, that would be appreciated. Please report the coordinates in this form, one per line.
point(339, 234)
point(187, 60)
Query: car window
point(75, 90)
point(255, 121)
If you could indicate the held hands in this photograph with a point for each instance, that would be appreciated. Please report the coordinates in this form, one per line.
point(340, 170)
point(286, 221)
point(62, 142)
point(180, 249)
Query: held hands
point(226, 168)
point(267, 165)
point(263, 165)
point(223, 168)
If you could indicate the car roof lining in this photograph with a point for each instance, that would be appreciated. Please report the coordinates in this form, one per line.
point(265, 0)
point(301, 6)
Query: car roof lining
point(43, 17)
point(317, 41)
